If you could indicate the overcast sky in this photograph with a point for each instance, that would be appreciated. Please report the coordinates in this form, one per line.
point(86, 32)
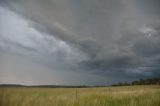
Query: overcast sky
point(78, 42)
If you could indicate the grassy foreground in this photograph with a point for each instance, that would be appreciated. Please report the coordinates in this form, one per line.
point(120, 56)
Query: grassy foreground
point(103, 96)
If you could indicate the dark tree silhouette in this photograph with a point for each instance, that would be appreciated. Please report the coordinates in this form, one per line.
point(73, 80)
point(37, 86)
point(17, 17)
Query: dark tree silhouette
point(149, 81)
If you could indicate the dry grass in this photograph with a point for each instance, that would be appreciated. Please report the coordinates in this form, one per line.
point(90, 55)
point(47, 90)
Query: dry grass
point(104, 96)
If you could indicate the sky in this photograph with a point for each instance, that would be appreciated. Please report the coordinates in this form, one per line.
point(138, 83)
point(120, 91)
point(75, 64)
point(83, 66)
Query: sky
point(78, 42)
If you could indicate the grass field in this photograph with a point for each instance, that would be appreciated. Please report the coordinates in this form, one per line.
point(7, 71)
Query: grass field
point(102, 96)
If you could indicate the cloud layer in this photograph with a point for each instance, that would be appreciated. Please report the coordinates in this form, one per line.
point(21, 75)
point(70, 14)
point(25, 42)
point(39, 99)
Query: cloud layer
point(100, 42)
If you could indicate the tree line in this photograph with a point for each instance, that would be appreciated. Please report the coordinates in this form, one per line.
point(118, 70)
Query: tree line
point(149, 81)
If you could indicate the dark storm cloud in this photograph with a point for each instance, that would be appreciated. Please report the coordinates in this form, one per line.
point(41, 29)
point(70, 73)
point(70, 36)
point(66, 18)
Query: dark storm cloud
point(109, 38)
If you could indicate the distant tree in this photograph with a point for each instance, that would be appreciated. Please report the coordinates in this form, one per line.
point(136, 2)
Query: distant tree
point(149, 81)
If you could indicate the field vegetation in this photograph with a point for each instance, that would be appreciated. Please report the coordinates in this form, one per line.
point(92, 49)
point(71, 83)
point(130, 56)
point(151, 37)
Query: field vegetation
point(148, 95)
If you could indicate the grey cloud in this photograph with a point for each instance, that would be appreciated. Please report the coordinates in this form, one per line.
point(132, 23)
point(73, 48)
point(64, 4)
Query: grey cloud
point(39, 46)
point(105, 38)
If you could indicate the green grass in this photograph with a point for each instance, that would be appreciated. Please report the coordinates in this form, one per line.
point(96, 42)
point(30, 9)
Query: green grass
point(103, 96)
